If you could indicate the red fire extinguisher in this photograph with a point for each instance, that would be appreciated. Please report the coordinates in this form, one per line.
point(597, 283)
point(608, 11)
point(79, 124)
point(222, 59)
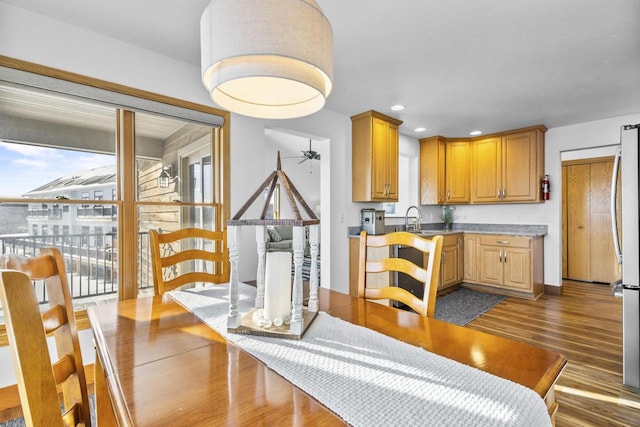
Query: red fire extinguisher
point(546, 188)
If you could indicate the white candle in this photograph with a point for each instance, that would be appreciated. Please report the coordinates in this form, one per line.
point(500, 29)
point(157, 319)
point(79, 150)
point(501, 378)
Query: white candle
point(277, 285)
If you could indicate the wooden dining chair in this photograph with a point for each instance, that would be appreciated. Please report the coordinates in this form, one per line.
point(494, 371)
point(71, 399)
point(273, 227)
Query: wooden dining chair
point(188, 255)
point(429, 275)
point(39, 379)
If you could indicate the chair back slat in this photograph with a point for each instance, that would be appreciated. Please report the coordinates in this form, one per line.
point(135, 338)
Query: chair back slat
point(53, 319)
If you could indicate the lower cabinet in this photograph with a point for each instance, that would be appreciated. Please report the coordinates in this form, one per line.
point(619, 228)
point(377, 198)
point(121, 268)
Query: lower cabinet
point(470, 259)
point(512, 263)
point(452, 267)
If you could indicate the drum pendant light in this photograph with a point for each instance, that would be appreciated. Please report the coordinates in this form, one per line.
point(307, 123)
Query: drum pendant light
point(268, 59)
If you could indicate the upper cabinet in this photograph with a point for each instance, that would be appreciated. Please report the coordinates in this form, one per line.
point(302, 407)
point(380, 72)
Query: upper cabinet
point(444, 170)
point(457, 171)
point(374, 152)
point(508, 167)
point(432, 171)
point(498, 168)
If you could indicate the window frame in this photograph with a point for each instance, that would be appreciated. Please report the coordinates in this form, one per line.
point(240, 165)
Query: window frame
point(126, 204)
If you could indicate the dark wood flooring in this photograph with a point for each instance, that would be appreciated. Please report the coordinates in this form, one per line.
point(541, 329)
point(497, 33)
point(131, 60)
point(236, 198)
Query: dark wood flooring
point(585, 325)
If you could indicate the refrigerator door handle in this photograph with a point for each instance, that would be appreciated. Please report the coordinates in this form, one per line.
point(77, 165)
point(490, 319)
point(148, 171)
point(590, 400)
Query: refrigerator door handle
point(614, 211)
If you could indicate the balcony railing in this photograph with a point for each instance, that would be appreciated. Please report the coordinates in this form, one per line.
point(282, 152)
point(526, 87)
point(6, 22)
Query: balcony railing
point(55, 213)
point(92, 271)
point(97, 211)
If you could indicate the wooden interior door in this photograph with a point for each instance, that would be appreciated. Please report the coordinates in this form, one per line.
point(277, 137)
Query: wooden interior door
point(588, 254)
point(578, 237)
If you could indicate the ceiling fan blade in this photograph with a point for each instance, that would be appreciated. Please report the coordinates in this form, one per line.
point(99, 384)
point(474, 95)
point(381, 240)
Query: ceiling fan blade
point(303, 160)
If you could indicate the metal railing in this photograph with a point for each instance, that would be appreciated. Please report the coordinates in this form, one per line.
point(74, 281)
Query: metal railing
point(97, 211)
point(54, 213)
point(92, 271)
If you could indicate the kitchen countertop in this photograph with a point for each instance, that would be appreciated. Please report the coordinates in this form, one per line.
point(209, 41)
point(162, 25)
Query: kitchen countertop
point(438, 228)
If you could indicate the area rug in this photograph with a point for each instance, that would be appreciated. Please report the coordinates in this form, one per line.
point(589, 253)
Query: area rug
point(462, 306)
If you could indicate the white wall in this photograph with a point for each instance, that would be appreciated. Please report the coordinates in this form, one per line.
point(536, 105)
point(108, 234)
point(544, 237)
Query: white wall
point(39, 39)
point(306, 176)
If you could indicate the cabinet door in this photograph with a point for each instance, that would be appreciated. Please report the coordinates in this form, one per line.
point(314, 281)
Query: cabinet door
point(490, 266)
point(470, 261)
point(379, 173)
point(517, 269)
point(520, 180)
point(486, 170)
point(578, 222)
point(432, 170)
point(449, 267)
point(460, 260)
point(391, 158)
point(458, 160)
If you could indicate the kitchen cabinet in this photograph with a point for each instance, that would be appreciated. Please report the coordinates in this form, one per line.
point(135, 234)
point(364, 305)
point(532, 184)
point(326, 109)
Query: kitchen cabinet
point(458, 160)
point(374, 151)
point(505, 167)
point(432, 170)
point(452, 261)
point(508, 167)
point(444, 171)
point(512, 263)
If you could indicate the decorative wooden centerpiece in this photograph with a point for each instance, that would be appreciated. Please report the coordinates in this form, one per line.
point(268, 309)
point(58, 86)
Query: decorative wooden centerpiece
point(278, 309)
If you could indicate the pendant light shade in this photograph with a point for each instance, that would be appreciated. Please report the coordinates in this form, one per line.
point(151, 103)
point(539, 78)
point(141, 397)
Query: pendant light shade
point(268, 59)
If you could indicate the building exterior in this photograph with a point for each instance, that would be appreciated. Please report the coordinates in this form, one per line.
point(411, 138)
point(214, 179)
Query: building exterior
point(96, 224)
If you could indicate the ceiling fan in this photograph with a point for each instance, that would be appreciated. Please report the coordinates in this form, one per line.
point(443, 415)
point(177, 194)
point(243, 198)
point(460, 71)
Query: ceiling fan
point(306, 155)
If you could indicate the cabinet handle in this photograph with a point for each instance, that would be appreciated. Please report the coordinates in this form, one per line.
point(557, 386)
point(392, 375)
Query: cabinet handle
point(504, 194)
point(443, 260)
point(500, 256)
point(505, 256)
point(503, 242)
point(448, 194)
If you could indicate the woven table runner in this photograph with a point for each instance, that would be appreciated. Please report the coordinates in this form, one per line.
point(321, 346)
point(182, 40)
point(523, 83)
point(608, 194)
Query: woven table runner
point(370, 379)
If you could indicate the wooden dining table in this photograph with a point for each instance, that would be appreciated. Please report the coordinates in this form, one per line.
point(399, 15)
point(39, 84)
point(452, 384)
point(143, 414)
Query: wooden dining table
point(158, 364)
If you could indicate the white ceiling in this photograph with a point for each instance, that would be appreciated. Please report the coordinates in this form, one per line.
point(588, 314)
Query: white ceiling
point(457, 65)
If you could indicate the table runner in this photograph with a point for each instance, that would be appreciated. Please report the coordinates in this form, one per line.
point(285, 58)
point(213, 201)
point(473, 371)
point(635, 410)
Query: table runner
point(368, 378)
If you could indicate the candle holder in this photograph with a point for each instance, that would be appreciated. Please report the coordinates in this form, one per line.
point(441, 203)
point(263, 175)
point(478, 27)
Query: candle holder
point(301, 316)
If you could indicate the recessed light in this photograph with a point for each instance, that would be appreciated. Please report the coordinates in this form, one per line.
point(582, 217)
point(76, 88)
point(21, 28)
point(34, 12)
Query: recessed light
point(475, 133)
point(397, 107)
point(419, 129)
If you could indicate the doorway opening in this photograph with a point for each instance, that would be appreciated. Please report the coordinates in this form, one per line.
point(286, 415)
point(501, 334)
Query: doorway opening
point(310, 175)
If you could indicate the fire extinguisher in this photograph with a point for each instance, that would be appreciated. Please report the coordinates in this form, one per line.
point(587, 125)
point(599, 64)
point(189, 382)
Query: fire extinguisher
point(546, 188)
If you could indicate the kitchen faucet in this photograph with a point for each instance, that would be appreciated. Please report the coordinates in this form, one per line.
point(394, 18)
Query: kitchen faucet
point(413, 227)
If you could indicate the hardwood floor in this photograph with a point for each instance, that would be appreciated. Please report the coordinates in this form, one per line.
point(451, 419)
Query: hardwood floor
point(585, 325)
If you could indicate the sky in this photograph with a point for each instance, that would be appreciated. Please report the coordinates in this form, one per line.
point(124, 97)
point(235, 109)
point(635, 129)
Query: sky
point(26, 167)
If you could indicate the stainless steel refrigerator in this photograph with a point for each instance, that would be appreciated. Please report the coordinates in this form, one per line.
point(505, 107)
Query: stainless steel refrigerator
point(627, 250)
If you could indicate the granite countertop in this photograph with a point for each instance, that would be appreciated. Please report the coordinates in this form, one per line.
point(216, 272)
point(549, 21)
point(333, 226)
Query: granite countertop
point(438, 228)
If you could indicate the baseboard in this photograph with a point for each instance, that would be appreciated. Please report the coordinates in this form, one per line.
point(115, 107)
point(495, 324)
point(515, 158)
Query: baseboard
point(552, 290)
